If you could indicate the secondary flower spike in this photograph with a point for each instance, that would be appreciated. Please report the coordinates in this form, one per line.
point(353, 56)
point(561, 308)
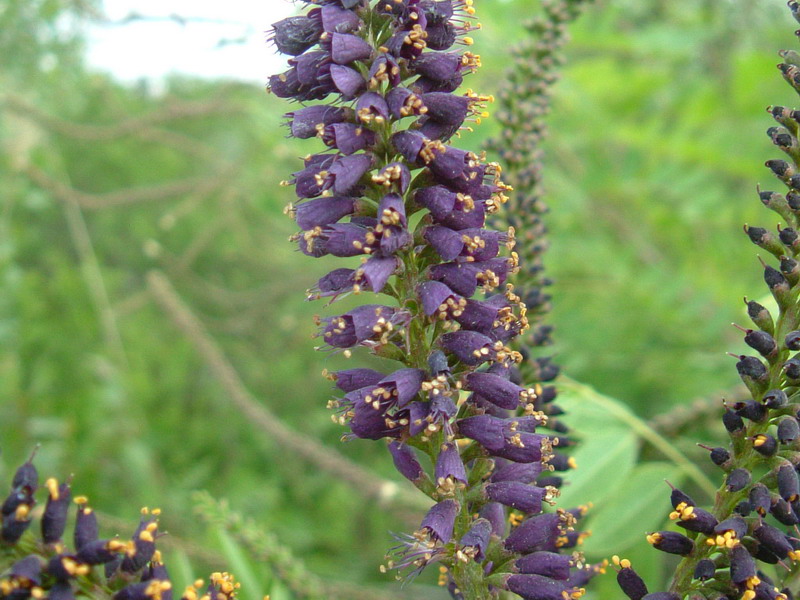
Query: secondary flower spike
point(390, 192)
point(731, 548)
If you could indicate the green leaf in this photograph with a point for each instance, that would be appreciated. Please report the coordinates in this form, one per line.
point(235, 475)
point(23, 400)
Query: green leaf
point(240, 566)
point(638, 507)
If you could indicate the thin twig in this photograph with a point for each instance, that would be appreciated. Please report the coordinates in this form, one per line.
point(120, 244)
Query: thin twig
point(327, 459)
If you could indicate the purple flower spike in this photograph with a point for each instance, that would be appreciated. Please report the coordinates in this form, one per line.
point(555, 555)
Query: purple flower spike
point(348, 81)
point(449, 468)
point(525, 498)
point(346, 48)
point(473, 544)
point(405, 461)
point(548, 564)
point(538, 587)
point(440, 520)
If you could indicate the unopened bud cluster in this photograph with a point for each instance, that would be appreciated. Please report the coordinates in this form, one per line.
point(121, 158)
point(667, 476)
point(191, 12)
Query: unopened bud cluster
point(757, 509)
point(389, 191)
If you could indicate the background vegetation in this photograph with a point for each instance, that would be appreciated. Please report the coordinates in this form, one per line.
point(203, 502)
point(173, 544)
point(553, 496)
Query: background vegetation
point(151, 308)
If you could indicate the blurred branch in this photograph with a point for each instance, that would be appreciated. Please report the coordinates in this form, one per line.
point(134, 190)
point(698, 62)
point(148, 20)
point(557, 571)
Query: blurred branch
point(385, 492)
point(182, 20)
point(698, 411)
point(123, 197)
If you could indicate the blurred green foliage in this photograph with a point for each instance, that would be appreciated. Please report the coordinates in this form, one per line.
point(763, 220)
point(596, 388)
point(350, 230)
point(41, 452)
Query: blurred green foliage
point(656, 146)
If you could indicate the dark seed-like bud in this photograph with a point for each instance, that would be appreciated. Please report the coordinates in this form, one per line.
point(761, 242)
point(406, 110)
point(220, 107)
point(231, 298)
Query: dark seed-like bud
point(765, 444)
point(671, 542)
point(629, 581)
point(792, 368)
point(751, 370)
point(788, 483)
point(705, 570)
point(720, 456)
point(792, 340)
point(26, 478)
point(733, 422)
point(760, 499)
point(743, 567)
point(791, 270)
point(774, 399)
point(777, 284)
point(760, 316)
point(761, 342)
point(744, 508)
point(737, 480)
point(750, 410)
point(54, 519)
point(766, 240)
point(86, 528)
point(677, 497)
point(773, 540)
point(783, 513)
point(788, 430)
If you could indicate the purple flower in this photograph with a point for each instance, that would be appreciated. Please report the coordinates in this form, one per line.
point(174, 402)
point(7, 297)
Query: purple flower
point(473, 544)
point(539, 587)
point(521, 496)
point(450, 469)
point(405, 461)
point(440, 520)
point(295, 35)
point(347, 48)
point(547, 564)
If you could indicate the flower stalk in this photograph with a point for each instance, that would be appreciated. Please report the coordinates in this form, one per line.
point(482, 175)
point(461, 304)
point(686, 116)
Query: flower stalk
point(409, 212)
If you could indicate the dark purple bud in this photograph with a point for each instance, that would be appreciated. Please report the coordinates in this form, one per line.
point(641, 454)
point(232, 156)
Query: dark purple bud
point(775, 399)
point(447, 108)
point(733, 422)
point(760, 499)
point(377, 271)
point(693, 518)
point(705, 570)
point(86, 528)
point(307, 122)
point(405, 461)
point(337, 19)
point(14, 500)
point(773, 539)
point(765, 444)
point(449, 465)
point(348, 138)
point(780, 168)
point(538, 587)
point(15, 524)
point(760, 316)
point(751, 410)
point(469, 347)
point(498, 390)
point(447, 243)
point(61, 590)
point(521, 496)
point(720, 456)
point(101, 551)
point(348, 81)
point(743, 508)
point(761, 342)
point(548, 564)
point(408, 144)
point(788, 430)
point(629, 581)
point(522, 472)
point(437, 297)
point(402, 102)
point(439, 67)
point(473, 544)
point(662, 596)
point(54, 518)
point(371, 423)
point(678, 497)
point(310, 66)
point(323, 211)
point(437, 199)
point(792, 368)
point(777, 283)
point(788, 483)
point(440, 520)
point(751, 369)
point(295, 35)
point(346, 48)
point(441, 37)
point(27, 571)
point(792, 340)
point(372, 107)
point(445, 162)
point(403, 385)
point(671, 542)
point(348, 170)
point(147, 590)
point(737, 480)
point(743, 567)
point(783, 513)
point(144, 546)
point(495, 514)
point(790, 238)
point(536, 533)
point(353, 379)
point(26, 478)
point(733, 527)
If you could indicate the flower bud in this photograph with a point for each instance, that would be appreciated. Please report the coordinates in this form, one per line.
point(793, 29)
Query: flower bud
point(788, 483)
point(760, 316)
point(760, 499)
point(774, 399)
point(737, 480)
point(761, 342)
point(765, 444)
point(671, 542)
point(705, 569)
point(788, 430)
